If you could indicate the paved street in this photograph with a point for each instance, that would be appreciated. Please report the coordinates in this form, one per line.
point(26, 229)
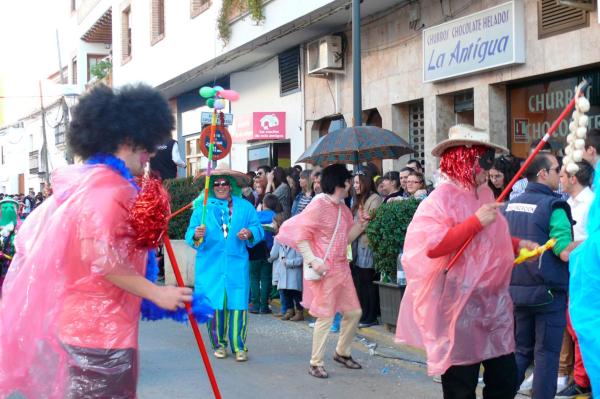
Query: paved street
point(279, 352)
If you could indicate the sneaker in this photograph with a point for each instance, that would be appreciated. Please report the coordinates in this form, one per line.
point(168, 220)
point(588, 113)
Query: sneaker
point(573, 391)
point(365, 325)
point(241, 356)
point(527, 386)
point(437, 378)
point(562, 382)
point(221, 353)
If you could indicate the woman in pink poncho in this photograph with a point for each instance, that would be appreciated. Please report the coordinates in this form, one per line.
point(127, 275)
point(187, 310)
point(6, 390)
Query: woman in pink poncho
point(71, 300)
point(312, 232)
point(463, 318)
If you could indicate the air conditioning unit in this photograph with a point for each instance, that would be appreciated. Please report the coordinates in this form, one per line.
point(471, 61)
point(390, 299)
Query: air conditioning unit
point(325, 55)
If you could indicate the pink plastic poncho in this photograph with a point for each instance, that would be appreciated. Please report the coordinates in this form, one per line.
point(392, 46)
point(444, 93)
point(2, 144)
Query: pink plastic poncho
point(465, 316)
point(55, 294)
point(335, 291)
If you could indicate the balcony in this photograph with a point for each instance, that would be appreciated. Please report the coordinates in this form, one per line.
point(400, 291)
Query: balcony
point(34, 162)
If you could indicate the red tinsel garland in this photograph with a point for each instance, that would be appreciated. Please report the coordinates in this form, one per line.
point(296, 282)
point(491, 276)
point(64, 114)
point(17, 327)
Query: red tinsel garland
point(459, 164)
point(149, 216)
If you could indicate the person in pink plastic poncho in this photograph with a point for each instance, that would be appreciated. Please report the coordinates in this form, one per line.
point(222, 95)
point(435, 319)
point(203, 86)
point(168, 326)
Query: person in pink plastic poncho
point(463, 318)
point(322, 233)
point(71, 300)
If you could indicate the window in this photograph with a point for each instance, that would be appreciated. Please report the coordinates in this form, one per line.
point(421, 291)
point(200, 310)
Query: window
point(93, 59)
point(289, 71)
point(74, 71)
point(59, 135)
point(126, 34)
point(416, 130)
point(158, 21)
point(198, 6)
point(463, 107)
point(331, 124)
point(554, 18)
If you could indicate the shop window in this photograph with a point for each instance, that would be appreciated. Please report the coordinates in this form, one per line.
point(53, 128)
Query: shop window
point(197, 7)
point(554, 18)
point(289, 71)
point(126, 34)
point(416, 130)
point(464, 108)
point(535, 105)
point(259, 155)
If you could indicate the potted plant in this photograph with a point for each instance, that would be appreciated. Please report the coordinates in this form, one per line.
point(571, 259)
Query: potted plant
point(386, 234)
point(182, 192)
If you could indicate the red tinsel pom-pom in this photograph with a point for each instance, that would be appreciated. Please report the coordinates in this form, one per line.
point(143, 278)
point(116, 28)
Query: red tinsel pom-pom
point(459, 164)
point(149, 216)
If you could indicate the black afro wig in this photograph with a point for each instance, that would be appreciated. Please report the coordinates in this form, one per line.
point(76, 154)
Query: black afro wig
point(137, 115)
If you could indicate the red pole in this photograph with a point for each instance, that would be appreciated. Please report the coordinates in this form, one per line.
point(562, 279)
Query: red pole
point(188, 306)
point(188, 206)
point(582, 86)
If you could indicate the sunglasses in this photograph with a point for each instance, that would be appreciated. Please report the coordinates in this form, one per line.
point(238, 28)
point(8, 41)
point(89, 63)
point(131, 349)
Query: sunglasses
point(223, 183)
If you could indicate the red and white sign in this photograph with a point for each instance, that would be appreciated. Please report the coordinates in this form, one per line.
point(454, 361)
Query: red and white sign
point(268, 125)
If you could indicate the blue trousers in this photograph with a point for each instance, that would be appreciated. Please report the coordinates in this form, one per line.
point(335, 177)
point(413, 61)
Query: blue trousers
point(539, 333)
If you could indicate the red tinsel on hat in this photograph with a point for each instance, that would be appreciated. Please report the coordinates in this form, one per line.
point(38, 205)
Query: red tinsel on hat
point(459, 163)
point(149, 216)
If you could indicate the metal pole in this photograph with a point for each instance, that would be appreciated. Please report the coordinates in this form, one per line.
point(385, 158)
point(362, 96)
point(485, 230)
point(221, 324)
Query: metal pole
point(44, 151)
point(356, 67)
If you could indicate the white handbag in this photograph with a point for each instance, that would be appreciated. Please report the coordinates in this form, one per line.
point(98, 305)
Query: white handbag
point(310, 273)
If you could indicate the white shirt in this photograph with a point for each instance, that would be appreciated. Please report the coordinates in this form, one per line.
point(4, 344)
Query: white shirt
point(580, 208)
point(176, 157)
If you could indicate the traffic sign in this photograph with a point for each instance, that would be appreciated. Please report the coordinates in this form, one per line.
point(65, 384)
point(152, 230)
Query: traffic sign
point(206, 119)
point(222, 142)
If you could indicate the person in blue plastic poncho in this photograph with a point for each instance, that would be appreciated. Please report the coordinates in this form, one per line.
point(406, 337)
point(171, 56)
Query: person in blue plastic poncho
point(584, 292)
point(231, 226)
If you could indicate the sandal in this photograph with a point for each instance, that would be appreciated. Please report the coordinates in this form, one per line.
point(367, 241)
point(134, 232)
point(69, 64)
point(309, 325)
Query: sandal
point(347, 361)
point(318, 372)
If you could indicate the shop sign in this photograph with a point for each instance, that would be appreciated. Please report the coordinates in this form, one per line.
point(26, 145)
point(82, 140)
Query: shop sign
point(485, 40)
point(206, 119)
point(268, 125)
point(534, 107)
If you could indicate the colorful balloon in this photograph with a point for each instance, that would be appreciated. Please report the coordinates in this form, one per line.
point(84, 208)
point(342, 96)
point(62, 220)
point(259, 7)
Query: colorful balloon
point(219, 104)
point(207, 92)
point(217, 89)
point(230, 95)
point(210, 103)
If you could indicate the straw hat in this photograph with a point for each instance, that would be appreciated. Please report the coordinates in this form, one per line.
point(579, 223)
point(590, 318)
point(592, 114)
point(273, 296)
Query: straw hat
point(223, 169)
point(467, 135)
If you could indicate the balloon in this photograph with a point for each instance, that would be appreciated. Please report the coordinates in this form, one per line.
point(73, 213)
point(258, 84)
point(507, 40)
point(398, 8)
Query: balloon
point(217, 89)
point(230, 95)
point(219, 104)
point(210, 103)
point(207, 92)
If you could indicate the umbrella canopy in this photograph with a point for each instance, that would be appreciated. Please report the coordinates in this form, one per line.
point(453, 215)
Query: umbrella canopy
point(356, 145)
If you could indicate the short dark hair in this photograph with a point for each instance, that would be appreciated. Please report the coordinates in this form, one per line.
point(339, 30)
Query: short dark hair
point(393, 176)
point(541, 161)
point(585, 174)
point(418, 175)
point(298, 168)
point(272, 202)
point(547, 146)
point(265, 168)
point(415, 161)
point(406, 169)
point(334, 176)
point(593, 139)
point(104, 119)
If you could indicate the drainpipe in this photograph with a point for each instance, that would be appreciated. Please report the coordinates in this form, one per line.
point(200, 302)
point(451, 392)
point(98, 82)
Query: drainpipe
point(356, 66)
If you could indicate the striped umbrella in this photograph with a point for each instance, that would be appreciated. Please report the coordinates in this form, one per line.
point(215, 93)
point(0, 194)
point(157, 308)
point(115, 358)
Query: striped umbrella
point(355, 145)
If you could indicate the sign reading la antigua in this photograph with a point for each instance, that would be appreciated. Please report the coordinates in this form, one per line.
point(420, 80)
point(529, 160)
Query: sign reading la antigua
point(485, 40)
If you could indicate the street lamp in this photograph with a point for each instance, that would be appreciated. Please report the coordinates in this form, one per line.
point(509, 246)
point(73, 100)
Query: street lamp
point(70, 95)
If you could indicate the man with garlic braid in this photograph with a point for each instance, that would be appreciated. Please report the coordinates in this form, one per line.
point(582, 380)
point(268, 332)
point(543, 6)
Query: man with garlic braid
point(463, 318)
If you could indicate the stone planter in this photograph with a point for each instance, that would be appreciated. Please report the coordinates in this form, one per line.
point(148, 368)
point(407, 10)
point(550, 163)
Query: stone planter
point(186, 259)
point(390, 296)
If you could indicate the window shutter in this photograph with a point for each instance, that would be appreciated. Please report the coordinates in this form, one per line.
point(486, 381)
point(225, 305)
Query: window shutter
point(198, 6)
point(289, 71)
point(554, 19)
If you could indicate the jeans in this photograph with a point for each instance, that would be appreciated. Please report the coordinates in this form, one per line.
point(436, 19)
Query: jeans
point(260, 283)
